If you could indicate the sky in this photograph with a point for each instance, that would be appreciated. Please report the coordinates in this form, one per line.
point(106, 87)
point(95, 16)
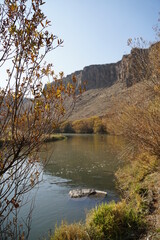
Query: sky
point(96, 31)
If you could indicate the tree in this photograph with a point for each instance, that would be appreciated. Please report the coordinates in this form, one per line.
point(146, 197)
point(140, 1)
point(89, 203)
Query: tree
point(140, 122)
point(28, 111)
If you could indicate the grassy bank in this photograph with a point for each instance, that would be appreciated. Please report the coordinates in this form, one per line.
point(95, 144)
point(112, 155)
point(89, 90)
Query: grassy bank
point(46, 137)
point(54, 137)
point(126, 219)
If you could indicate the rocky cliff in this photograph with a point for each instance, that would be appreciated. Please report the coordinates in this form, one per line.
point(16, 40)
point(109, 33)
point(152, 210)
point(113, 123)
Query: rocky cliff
point(97, 76)
point(108, 85)
point(106, 75)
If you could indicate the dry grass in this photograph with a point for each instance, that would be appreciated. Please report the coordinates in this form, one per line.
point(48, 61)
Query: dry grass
point(75, 231)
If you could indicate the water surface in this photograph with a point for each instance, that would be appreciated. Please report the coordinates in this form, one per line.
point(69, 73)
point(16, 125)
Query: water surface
point(81, 161)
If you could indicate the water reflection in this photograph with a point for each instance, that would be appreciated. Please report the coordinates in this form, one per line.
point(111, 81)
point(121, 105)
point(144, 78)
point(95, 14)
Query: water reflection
point(88, 160)
point(80, 161)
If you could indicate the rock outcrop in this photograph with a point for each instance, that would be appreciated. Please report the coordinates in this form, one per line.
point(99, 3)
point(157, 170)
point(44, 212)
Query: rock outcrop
point(78, 193)
point(130, 70)
point(97, 76)
point(108, 85)
point(134, 67)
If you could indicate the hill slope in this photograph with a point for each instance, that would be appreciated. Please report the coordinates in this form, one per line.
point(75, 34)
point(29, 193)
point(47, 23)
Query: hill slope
point(108, 85)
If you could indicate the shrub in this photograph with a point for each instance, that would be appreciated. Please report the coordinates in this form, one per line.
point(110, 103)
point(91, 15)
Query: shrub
point(131, 176)
point(66, 127)
point(113, 221)
point(89, 125)
point(98, 125)
point(134, 183)
point(83, 126)
point(74, 231)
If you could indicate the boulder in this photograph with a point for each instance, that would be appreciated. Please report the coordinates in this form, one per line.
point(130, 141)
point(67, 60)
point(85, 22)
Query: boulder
point(78, 193)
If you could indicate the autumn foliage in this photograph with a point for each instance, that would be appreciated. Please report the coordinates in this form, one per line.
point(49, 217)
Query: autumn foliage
point(87, 125)
point(28, 111)
point(140, 121)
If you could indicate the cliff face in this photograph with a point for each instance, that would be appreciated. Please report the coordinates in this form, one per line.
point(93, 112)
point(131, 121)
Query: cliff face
point(97, 76)
point(134, 67)
point(109, 85)
point(106, 75)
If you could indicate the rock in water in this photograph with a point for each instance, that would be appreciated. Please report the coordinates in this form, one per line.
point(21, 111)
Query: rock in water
point(78, 193)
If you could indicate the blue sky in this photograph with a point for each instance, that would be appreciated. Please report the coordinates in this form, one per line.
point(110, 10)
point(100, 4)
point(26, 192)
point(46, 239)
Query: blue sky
point(96, 31)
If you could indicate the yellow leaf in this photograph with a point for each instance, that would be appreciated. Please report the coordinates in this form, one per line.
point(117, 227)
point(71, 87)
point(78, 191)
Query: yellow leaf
point(32, 57)
point(58, 93)
point(13, 7)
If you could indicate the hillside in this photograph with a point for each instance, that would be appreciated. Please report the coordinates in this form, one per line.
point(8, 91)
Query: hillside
point(108, 85)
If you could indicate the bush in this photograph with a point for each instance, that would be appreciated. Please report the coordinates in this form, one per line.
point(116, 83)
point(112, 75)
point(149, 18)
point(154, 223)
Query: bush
point(83, 125)
point(74, 231)
point(113, 221)
point(136, 171)
point(98, 125)
point(66, 127)
point(88, 125)
point(134, 183)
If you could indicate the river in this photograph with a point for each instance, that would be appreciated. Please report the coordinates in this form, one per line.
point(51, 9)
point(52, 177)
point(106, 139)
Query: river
point(81, 161)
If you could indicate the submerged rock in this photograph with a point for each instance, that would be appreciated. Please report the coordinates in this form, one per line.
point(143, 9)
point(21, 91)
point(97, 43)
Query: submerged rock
point(78, 193)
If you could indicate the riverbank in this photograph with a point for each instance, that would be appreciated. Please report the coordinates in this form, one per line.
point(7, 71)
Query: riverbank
point(136, 216)
point(46, 137)
point(139, 183)
point(54, 137)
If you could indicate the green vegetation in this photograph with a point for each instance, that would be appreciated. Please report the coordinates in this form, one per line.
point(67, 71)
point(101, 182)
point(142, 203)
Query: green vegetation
point(114, 221)
point(106, 222)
